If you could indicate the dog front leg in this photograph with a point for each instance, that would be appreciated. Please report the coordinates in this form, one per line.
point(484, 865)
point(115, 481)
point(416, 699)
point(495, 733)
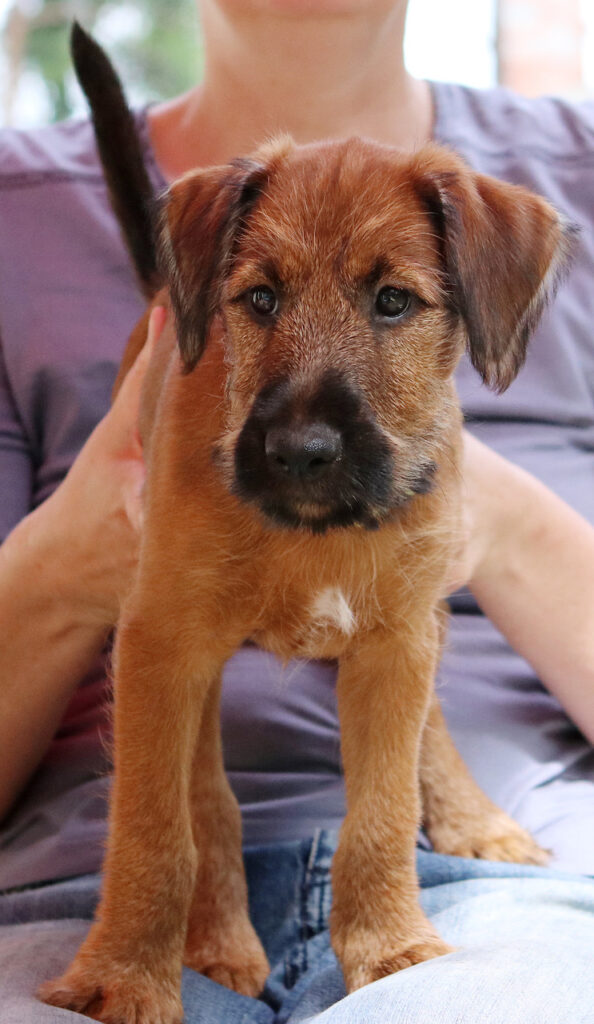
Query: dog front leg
point(128, 969)
point(384, 686)
point(221, 941)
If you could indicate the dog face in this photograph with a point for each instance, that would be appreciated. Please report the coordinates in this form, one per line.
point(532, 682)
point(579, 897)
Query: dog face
point(343, 280)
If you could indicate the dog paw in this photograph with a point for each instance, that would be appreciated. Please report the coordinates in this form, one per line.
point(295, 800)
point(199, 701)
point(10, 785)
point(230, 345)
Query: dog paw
point(362, 971)
point(247, 979)
point(498, 838)
point(127, 996)
point(511, 847)
point(235, 961)
point(369, 953)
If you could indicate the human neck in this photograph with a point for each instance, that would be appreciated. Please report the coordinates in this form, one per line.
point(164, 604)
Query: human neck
point(321, 76)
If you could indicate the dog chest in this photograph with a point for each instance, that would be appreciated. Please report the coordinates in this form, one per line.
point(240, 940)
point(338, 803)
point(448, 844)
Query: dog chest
point(319, 625)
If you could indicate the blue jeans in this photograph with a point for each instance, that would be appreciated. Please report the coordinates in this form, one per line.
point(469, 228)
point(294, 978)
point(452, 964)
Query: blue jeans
point(525, 956)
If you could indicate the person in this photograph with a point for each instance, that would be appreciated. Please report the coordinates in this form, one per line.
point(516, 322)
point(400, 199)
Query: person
point(70, 510)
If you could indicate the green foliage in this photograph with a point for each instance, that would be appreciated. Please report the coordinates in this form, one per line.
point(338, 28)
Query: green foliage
point(154, 44)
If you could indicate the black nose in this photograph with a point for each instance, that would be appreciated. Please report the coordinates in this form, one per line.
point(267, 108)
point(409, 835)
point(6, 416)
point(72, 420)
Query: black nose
point(305, 451)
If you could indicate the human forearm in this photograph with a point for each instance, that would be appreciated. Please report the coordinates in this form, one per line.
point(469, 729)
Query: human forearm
point(534, 577)
point(63, 573)
point(48, 644)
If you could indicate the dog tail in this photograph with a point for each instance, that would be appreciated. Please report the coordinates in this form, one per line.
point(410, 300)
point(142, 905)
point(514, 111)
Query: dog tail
point(131, 192)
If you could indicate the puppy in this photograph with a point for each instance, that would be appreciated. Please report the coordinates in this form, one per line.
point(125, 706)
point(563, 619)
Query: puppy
point(302, 438)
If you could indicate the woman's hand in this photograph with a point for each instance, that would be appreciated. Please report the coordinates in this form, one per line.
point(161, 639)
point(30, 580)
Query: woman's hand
point(484, 511)
point(63, 572)
point(90, 526)
point(528, 558)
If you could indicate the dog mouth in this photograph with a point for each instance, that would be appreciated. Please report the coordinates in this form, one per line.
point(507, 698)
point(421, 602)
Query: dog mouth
point(321, 462)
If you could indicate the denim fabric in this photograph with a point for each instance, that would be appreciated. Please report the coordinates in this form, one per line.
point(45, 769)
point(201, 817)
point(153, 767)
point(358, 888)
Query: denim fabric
point(525, 938)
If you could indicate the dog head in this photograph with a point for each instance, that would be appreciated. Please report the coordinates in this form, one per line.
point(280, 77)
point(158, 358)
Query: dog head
point(344, 280)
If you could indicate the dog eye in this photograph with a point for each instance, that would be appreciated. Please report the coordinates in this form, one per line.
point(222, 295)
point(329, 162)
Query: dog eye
point(263, 300)
point(392, 302)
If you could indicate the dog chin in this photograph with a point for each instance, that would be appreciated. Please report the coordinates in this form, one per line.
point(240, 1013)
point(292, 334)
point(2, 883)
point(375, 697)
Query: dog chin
point(319, 518)
point(321, 513)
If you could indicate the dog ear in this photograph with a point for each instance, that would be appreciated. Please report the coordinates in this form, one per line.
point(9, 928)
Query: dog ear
point(504, 250)
point(203, 215)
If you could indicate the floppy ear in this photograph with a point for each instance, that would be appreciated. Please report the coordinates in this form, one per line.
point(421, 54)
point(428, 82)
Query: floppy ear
point(202, 218)
point(504, 250)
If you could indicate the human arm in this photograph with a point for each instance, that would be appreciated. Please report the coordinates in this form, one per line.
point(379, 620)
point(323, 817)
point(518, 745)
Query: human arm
point(529, 561)
point(63, 571)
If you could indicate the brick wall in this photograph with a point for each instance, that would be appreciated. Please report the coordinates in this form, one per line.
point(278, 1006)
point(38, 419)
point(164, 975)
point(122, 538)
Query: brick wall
point(540, 46)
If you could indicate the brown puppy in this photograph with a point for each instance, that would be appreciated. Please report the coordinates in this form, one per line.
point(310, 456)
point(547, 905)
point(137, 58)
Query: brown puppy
point(302, 442)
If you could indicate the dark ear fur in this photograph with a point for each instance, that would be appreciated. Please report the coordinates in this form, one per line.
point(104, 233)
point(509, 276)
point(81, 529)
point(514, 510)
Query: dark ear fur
point(504, 250)
point(202, 219)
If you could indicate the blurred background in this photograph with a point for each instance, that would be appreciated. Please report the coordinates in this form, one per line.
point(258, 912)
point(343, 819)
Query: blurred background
point(532, 46)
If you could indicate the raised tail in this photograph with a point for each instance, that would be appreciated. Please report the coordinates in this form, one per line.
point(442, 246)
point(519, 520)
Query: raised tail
point(130, 189)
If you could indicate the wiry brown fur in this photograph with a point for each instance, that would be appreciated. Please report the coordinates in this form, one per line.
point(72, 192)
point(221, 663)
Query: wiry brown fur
point(326, 226)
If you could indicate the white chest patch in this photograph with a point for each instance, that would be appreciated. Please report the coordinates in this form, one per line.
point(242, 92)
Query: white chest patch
point(331, 609)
